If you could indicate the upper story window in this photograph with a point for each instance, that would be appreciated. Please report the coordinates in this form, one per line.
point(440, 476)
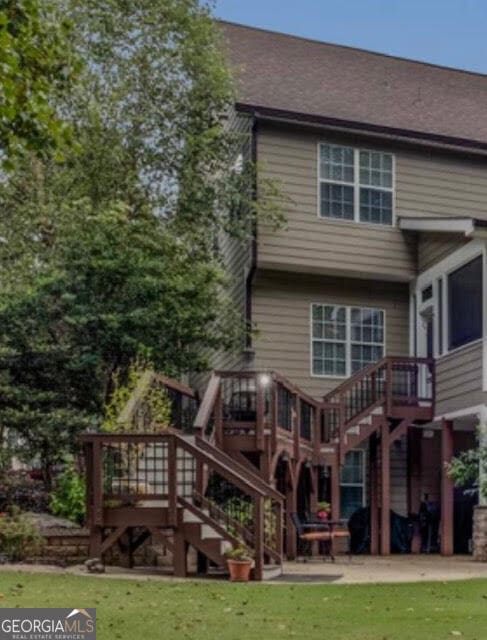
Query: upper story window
point(345, 339)
point(356, 184)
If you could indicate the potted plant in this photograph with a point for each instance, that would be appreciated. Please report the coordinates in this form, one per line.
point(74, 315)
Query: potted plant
point(323, 512)
point(239, 560)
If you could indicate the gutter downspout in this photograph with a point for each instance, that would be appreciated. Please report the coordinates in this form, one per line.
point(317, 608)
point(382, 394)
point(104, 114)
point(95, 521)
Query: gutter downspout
point(253, 248)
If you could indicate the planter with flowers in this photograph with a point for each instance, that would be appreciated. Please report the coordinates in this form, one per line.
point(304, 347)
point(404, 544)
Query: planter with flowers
point(239, 560)
point(324, 511)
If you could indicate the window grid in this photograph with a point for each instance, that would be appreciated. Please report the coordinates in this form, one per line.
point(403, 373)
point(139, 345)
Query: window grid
point(356, 184)
point(345, 339)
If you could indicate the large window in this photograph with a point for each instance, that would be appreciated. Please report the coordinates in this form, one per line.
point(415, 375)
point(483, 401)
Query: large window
point(352, 483)
point(345, 339)
point(465, 304)
point(356, 184)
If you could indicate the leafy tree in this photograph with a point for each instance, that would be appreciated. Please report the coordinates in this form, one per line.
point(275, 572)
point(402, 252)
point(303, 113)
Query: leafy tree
point(110, 254)
point(465, 470)
point(37, 63)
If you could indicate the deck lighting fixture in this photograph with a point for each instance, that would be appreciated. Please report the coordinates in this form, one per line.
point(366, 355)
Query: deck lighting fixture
point(264, 379)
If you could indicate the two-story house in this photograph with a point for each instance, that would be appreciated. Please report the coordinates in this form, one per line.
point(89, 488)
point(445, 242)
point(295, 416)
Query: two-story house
point(383, 162)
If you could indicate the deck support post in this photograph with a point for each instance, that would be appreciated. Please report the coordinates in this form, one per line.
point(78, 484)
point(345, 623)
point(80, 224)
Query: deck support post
point(385, 466)
point(259, 537)
point(374, 495)
point(335, 489)
point(96, 541)
point(446, 489)
point(180, 552)
point(291, 507)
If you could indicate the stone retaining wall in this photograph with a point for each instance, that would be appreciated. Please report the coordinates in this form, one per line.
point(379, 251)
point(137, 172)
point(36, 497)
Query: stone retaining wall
point(65, 546)
point(480, 534)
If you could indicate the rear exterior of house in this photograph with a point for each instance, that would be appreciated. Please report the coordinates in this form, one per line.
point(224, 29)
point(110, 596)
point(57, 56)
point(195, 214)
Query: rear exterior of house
point(382, 163)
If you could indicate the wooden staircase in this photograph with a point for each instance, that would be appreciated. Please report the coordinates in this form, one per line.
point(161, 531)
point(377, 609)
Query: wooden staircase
point(393, 391)
point(157, 483)
point(179, 485)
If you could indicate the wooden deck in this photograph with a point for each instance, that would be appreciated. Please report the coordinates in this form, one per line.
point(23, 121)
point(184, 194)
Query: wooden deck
point(252, 439)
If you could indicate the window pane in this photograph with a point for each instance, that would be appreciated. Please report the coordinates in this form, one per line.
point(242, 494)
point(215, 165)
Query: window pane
point(367, 335)
point(465, 304)
point(375, 206)
point(351, 499)
point(336, 201)
point(376, 169)
point(352, 471)
point(337, 163)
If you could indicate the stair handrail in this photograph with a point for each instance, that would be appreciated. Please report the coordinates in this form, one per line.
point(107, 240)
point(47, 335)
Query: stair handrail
point(254, 478)
point(370, 369)
point(208, 402)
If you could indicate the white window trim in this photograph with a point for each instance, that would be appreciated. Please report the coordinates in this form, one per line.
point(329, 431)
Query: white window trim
point(441, 271)
point(356, 187)
point(348, 337)
point(363, 484)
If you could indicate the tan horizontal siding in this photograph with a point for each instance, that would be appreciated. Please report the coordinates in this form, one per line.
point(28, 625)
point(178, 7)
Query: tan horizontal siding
point(433, 247)
point(459, 379)
point(433, 183)
point(427, 184)
point(281, 310)
point(309, 243)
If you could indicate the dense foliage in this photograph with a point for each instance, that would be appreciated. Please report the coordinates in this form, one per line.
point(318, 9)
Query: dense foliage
point(465, 470)
point(37, 63)
point(110, 254)
point(68, 500)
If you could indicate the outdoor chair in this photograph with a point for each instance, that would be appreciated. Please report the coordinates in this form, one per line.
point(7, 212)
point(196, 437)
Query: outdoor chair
point(309, 533)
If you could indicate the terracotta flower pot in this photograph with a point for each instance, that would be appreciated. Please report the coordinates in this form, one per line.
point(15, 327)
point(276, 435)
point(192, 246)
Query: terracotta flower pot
point(239, 570)
point(323, 515)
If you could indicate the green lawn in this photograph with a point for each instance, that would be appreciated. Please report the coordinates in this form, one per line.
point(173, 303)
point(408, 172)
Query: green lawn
point(133, 610)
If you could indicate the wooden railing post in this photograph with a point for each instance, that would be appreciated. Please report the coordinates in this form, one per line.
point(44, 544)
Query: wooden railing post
point(296, 424)
point(389, 389)
point(260, 410)
point(97, 484)
point(97, 505)
point(172, 480)
point(279, 529)
point(219, 418)
point(259, 537)
point(275, 415)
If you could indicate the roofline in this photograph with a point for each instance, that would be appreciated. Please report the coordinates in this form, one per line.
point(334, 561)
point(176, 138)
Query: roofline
point(409, 135)
point(424, 63)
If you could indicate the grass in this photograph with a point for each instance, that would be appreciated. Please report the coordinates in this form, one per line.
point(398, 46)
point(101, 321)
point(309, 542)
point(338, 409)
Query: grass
point(131, 609)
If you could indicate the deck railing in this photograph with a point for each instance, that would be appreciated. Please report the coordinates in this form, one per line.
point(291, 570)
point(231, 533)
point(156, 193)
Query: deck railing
point(390, 382)
point(129, 476)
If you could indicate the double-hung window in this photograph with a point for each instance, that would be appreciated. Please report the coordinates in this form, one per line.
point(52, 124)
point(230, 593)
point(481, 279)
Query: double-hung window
point(345, 339)
point(356, 184)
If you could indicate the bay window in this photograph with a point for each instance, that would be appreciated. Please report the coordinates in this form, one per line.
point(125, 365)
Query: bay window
point(345, 339)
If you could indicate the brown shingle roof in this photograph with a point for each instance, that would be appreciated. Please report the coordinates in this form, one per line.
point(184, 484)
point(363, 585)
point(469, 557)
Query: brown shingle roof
point(292, 74)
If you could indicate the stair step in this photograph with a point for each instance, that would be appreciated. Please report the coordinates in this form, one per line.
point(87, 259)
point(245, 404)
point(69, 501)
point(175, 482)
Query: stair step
point(272, 571)
point(188, 516)
point(207, 532)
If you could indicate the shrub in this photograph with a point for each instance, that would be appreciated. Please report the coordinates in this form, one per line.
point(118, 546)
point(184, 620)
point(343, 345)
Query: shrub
point(19, 488)
point(19, 537)
point(68, 499)
point(239, 553)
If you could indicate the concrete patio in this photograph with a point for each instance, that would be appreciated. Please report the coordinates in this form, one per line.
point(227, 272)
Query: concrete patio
point(368, 569)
